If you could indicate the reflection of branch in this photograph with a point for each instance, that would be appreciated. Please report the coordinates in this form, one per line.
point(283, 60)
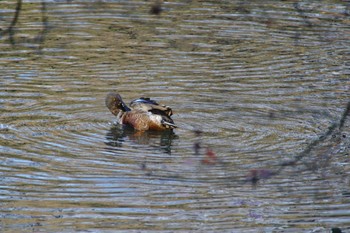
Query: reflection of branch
point(9, 30)
point(156, 8)
point(41, 36)
point(315, 143)
point(210, 158)
point(302, 14)
point(343, 118)
point(347, 10)
point(255, 175)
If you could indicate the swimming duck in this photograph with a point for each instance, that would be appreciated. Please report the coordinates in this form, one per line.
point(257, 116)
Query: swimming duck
point(143, 113)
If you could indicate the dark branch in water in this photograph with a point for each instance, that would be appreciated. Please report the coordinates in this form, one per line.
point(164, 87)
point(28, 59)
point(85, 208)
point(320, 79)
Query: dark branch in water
point(41, 36)
point(156, 8)
point(343, 118)
point(255, 175)
point(316, 142)
point(10, 29)
point(302, 14)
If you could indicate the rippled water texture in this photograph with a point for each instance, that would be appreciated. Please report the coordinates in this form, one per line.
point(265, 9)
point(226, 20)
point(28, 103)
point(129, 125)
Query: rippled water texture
point(258, 89)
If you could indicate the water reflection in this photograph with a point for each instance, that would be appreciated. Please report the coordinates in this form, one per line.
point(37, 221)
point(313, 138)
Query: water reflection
point(263, 80)
point(156, 140)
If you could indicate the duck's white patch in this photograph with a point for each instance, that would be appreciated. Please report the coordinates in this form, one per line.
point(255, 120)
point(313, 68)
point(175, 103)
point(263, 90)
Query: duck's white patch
point(155, 118)
point(120, 117)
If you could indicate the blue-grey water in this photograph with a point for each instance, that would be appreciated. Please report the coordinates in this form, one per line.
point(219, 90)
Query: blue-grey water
point(256, 82)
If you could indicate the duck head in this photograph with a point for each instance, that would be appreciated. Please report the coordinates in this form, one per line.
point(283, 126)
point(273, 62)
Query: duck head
point(115, 103)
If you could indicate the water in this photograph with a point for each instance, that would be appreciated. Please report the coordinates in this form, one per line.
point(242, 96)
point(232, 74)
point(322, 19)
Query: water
point(261, 81)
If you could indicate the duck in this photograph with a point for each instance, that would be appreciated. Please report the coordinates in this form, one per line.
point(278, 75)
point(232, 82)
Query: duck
point(142, 114)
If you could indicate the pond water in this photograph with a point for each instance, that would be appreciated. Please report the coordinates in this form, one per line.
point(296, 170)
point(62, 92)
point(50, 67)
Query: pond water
point(255, 87)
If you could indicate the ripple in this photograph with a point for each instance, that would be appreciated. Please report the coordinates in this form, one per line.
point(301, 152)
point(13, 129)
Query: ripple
point(259, 81)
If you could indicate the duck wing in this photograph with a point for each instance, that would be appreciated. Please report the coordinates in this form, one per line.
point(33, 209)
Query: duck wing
point(149, 105)
point(143, 100)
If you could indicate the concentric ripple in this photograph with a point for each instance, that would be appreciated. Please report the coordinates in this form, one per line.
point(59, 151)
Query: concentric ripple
point(253, 86)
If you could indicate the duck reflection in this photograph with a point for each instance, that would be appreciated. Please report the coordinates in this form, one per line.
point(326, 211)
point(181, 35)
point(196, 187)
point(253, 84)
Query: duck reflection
point(159, 140)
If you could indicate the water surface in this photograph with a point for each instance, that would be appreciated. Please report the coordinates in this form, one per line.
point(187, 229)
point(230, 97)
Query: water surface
point(259, 82)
